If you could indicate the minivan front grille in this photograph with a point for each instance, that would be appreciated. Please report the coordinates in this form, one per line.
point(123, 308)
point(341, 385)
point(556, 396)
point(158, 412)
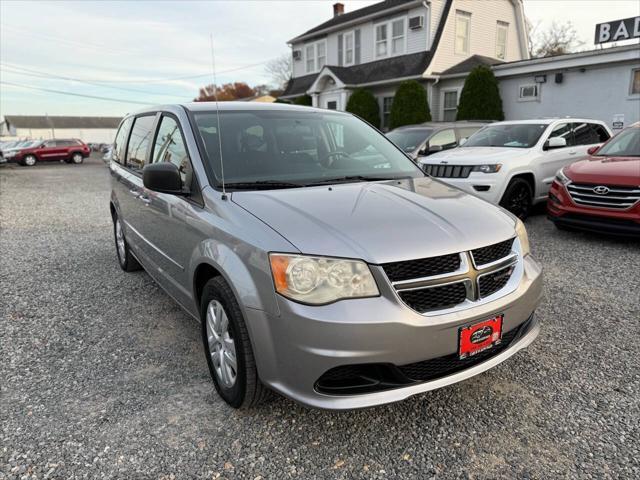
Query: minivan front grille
point(492, 253)
point(604, 196)
point(448, 171)
point(423, 267)
point(444, 296)
point(446, 281)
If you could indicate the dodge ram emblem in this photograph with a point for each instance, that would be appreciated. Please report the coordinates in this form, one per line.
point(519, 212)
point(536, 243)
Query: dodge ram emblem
point(601, 190)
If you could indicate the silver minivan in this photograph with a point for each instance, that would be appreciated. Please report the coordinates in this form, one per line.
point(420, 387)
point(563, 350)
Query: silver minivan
point(320, 260)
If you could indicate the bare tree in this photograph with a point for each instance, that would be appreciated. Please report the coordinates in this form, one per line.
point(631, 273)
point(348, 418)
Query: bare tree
point(280, 69)
point(558, 39)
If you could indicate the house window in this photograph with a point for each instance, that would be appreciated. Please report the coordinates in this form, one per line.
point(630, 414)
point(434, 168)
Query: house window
point(529, 93)
point(635, 81)
point(315, 56)
point(321, 49)
point(463, 29)
point(381, 40)
point(311, 58)
point(397, 37)
point(450, 106)
point(386, 111)
point(348, 48)
point(390, 38)
point(501, 40)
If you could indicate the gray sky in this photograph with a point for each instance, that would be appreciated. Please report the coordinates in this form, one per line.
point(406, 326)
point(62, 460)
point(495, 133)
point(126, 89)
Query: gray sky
point(158, 52)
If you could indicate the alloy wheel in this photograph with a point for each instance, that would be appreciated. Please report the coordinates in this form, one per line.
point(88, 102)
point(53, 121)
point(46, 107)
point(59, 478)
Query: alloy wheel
point(222, 348)
point(519, 202)
point(77, 158)
point(30, 160)
point(120, 244)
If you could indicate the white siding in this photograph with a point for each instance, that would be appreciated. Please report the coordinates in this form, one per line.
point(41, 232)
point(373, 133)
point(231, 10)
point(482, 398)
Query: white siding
point(415, 40)
point(438, 93)
point(484, 18)
point(598, 93)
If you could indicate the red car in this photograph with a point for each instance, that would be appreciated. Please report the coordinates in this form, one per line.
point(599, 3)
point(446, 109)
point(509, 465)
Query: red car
point(601, 193)
point(71, 151)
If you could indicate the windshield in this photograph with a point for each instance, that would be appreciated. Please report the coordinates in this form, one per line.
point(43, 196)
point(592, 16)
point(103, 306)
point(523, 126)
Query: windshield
point(625, 144)
point(298, 148)
point(409, 139)
point(519, 135)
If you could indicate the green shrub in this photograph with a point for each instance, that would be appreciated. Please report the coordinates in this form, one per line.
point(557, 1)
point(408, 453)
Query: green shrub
point(363, 104)
point(304, 100)
point(480, 98)
point(410, 105)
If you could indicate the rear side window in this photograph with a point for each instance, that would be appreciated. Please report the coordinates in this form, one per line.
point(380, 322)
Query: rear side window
point(121, 140)
point(589, 133)
point(170, 147)
point(141, 135)
point(445, 139)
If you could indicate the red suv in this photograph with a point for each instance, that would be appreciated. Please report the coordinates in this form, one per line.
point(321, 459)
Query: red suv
point(71, 151)
point(601, 193)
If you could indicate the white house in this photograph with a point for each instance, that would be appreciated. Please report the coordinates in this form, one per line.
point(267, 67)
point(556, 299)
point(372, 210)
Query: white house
point(44, 127)
point(381, 45)
point(603, 84)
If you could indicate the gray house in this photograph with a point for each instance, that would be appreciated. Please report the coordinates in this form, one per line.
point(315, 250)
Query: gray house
point(379, 46)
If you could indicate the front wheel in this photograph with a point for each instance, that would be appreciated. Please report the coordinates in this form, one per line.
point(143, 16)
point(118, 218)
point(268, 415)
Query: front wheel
point(29, 161)
point(77, 158)
point(228, 348)
point(518, 198)
point(126, 260)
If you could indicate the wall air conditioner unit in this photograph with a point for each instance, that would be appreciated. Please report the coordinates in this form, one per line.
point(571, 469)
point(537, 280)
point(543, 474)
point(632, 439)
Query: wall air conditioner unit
point(416, 23)
point(297, 54)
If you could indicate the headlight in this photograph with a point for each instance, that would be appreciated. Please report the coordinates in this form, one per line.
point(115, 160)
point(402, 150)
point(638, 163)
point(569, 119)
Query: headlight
point(521, 231)
point(561, 177)
point(320, 280)
point(494, 168)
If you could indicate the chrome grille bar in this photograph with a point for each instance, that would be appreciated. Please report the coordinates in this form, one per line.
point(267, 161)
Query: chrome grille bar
point(616, 197)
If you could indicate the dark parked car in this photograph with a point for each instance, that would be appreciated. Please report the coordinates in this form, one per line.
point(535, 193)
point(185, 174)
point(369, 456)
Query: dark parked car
point(431, 137)
point(69, 150)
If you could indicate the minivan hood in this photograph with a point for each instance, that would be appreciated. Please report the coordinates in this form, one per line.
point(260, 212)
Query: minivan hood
point(380, 222)
point(475, 155)
point(607, 170)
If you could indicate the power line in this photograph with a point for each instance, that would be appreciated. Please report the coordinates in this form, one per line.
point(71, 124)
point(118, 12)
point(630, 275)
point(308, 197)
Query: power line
point(96, 97)
point(40, 74)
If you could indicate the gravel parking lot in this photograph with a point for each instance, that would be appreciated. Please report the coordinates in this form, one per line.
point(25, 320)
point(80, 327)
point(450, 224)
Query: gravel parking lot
point(103, 376)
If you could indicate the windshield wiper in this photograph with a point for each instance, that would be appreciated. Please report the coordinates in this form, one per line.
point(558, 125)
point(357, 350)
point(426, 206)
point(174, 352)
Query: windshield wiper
point(263, 185)
point(351, 178)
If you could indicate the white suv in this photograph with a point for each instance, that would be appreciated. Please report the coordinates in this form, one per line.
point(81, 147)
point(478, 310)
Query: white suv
point(513, 163)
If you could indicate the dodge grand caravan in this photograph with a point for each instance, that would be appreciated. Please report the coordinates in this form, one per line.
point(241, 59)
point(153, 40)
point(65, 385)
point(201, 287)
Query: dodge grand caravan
point(321, 262)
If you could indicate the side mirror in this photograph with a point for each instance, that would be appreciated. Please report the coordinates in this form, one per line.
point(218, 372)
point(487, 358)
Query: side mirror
point(462, 141)
point(435, 148)
point(555, 142)
point(163, 177)
point(593, 150)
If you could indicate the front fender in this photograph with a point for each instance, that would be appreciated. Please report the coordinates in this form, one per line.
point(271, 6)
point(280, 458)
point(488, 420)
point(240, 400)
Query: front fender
point(245, 269)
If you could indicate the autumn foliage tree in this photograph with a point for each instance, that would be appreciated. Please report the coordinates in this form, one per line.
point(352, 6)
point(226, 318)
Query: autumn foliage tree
point(225, 93)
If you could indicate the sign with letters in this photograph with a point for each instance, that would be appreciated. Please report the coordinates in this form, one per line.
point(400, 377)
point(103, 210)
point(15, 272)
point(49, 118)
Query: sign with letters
point(618, 30)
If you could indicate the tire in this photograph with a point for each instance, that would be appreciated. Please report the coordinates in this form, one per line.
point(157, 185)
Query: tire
point(126, 260)
point(229, 340)
point(76, 158)
point(29, 161)
point(518, 198)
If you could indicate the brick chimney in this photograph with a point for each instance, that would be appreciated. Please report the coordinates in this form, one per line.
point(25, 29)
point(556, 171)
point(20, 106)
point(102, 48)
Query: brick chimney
point(338, 9)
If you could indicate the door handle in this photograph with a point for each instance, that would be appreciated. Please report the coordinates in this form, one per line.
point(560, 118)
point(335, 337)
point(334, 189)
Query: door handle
point(134, 192)
point(572, 152)
point(144, 199)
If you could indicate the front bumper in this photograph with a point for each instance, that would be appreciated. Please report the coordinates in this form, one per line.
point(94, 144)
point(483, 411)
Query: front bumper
point(293, 350)
point(564, 212)
point(485, 186)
